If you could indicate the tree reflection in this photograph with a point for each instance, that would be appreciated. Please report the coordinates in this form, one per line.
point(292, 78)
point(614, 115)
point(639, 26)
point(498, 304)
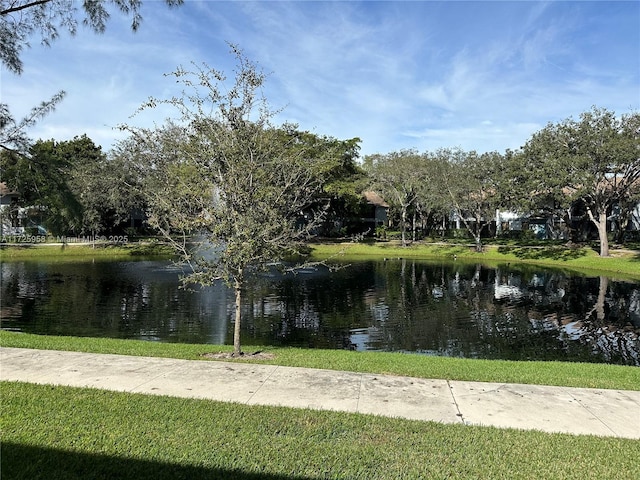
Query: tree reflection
point(453, 309)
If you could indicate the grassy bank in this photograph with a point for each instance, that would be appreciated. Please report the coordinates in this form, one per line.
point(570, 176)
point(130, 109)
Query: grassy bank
point(622, 263)
point(119, 435)
point(83, 251)
point(591, 375)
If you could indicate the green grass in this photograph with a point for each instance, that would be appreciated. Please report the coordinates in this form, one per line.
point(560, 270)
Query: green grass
point(83, 251)
point(66, 433)
point(624, 264)
point(590, 375)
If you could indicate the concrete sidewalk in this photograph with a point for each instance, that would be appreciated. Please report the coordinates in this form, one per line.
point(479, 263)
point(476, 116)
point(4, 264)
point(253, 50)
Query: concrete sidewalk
point(551, 409)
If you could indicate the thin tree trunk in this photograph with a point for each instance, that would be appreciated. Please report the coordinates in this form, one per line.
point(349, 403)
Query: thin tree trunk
point(413, 227)
point(403, 227)
point(236, 328)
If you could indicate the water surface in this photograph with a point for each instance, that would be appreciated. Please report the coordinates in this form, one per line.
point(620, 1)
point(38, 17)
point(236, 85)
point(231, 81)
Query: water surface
point(449, 309)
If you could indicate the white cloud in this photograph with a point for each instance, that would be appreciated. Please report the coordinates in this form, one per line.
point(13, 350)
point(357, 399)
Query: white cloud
point(481, 75)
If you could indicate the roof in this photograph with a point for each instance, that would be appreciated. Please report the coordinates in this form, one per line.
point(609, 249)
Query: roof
point(374, 199)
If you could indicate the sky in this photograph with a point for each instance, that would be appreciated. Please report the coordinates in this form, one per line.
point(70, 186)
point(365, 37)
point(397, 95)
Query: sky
point(421, 75)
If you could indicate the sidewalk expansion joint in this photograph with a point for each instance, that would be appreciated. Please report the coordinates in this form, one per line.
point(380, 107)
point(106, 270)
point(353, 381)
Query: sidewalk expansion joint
point(359, 393)
point(176, 367)
point(253, 394)
point(588, 410)
point(453, 397)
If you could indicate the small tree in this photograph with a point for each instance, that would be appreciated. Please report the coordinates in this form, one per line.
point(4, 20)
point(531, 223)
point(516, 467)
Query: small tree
point(231, 176)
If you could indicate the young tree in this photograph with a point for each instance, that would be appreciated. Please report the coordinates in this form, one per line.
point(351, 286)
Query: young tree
point(594, 159)
point(233, 177)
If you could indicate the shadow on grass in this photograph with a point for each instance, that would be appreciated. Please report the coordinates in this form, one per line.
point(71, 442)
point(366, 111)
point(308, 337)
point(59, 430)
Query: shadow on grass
point(28, 462)
point(547, 253)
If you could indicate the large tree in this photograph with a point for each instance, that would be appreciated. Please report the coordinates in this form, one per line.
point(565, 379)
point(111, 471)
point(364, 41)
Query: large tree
point(233, 177)
point(594, 160)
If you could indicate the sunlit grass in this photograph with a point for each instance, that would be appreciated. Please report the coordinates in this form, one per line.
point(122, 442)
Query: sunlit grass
point(570, 374)
point(82, 252)
point(623, 264)
point(63, 432)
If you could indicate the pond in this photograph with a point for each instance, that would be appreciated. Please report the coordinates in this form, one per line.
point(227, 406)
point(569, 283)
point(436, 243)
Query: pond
point(448, 309)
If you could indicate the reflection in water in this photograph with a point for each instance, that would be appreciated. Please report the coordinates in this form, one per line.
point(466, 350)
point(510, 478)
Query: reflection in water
point(437, 309)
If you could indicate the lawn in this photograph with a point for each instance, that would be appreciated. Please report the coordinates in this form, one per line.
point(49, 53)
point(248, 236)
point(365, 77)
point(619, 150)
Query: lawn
point(83, 251)
point(67, 433)
point(621, 263)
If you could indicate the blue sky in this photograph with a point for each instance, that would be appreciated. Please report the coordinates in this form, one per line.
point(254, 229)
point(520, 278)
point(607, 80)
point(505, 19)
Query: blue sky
point(477, 75)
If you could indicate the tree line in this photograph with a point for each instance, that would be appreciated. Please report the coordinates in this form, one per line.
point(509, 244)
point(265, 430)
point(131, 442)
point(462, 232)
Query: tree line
point(578, 172)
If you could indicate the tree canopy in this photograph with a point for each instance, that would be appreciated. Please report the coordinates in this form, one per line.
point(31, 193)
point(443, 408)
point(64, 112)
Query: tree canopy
point(20, 20)
point(249, 187)
point(594, 160)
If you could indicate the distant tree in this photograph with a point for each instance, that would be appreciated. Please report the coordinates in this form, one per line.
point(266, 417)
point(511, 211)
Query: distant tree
point(70, 186)
point(594, 159)
point(84, 160)
point(166, 179)
point(102, 185)
point(232, 176)
point(472, 182)
point(343, 179)
point(41, 180)
point(397, 176)
point(431, 204)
